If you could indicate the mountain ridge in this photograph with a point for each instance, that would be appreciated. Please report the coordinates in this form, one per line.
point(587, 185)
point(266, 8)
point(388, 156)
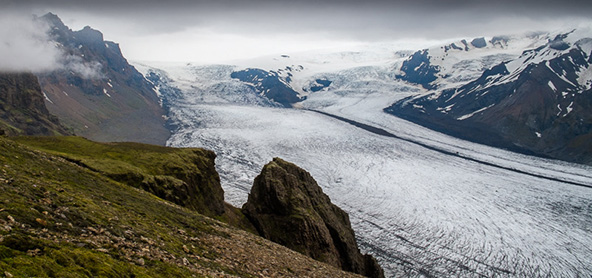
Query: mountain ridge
point(537, 104)
point(97, 92)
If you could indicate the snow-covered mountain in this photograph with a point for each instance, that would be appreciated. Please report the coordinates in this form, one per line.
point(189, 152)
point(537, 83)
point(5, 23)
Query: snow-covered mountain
point(279, 80)
point(537, 103)
point(459, 62)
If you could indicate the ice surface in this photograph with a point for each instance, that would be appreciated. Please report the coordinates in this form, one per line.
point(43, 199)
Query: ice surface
point(407, 203)
point(459, 66)
point(420, 212)
point(552, 86)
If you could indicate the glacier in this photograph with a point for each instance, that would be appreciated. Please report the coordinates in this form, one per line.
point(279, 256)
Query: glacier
point(419, 211)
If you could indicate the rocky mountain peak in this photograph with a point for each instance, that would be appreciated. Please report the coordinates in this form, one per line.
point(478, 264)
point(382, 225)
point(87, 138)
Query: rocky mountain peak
point(287, 206)
point(97, 92)
point(479, 42)
point(54, 21)
point(89, 35)
point(537, 103)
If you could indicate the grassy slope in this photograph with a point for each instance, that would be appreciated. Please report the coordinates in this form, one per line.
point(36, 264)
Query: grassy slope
point(186, 177)
point(58, 219)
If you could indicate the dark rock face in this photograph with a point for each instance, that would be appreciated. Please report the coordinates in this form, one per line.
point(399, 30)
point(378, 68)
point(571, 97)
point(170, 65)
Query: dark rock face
point(558, 44)
point(22, 107)
point(287, 206)
point(270, 85)
point(98, 93)
point(479, 42)
point(319, 84)
point(417, 69)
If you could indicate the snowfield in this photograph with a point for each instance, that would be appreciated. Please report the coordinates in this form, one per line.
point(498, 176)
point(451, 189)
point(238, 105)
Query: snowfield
point(421, 212)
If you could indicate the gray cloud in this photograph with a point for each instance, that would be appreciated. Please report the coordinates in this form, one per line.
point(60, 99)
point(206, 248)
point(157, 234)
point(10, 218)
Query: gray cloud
point(86, 70)
point(26, 46)
point(370, 20)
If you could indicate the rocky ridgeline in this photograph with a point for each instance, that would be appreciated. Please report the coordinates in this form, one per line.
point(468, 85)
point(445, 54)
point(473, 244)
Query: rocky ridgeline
point(287, 206)
point(538, 103)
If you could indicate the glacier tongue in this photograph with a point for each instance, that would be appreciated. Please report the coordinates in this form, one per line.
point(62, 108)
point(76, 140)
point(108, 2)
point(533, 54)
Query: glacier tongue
point(407, 204)
point(419, 211)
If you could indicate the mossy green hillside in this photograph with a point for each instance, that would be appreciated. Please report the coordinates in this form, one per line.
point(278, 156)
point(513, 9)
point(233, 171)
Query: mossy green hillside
point(184, 176)
point(61, 219)
point(57, 218)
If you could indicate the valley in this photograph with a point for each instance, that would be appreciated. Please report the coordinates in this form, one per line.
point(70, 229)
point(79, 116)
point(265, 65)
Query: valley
point(419, 211)
point(296, 139)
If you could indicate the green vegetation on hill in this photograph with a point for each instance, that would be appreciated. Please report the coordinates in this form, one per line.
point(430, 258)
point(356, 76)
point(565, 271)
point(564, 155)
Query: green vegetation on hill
point(186, 177)
point(60, 218)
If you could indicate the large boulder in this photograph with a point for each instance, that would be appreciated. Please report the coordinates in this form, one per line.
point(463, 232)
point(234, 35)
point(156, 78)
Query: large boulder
point(287, 206)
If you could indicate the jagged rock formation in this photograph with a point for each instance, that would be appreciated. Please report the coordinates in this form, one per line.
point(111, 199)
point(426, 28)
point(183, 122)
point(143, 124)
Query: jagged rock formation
point(97, 92)
point(271, 85)
point(417, 69)
point(22, 107)
point(287, 206)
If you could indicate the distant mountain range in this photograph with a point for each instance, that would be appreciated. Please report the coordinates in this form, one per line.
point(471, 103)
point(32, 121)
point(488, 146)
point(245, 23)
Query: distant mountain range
point(526, 93)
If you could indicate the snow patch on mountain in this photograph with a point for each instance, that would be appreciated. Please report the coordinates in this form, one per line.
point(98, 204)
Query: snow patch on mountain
point(454, 64)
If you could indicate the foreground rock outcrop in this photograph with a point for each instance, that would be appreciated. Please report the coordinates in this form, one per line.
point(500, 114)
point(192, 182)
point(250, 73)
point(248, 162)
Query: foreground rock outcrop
point(287, 206)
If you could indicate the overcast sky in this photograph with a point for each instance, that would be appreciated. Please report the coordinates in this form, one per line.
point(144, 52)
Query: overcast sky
point(210, 31)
